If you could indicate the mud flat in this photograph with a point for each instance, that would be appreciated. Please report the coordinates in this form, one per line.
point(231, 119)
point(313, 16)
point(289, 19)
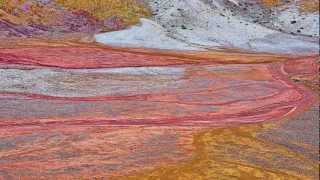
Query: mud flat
point(111, 114)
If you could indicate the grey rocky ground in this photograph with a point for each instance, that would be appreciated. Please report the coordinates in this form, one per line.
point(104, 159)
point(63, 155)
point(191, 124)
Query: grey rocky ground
point(215, 24)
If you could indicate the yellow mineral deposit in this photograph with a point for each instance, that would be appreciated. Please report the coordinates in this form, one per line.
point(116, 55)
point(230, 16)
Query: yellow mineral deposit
point(129, 10)
point(224, 154)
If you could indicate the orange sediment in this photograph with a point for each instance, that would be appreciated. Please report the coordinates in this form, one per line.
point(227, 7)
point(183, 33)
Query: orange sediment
point(236, 153)
point(305, 6)
point(128, 10)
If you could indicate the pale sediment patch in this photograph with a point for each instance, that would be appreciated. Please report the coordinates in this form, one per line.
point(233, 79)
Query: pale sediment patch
point(148, 34)
point(196, 25)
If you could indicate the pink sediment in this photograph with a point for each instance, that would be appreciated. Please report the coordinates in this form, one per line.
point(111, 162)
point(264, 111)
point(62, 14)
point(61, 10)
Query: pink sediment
point(239, 94)
point(104, 135)
point(83, 57)
point(87, 56)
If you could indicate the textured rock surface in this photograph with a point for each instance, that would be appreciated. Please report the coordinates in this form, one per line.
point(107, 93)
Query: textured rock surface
point(200, 24)
point(71, 110)
point(56, 18)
